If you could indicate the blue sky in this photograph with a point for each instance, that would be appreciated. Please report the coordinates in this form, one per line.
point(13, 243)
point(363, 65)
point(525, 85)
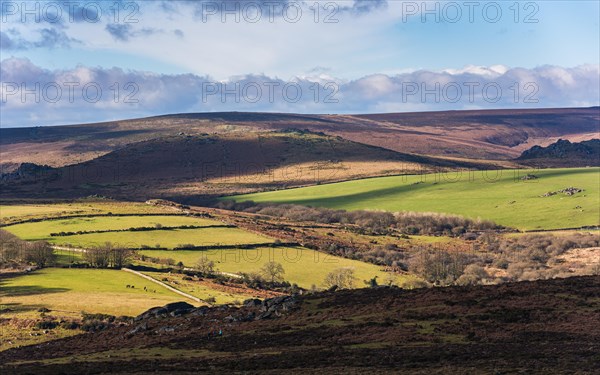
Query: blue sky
point(367, 52)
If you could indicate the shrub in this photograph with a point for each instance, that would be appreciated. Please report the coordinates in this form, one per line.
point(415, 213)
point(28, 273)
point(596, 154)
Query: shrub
point(94, 326)
point(439, 266)
point(473, 274)
point(68, 324)
point(46, 324)
point(414, 284)
point(205, 266)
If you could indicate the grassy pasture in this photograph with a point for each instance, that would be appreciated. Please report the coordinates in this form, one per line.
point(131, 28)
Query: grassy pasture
point(501, 196)
point(66, 257)
point(165, 238)
point(41, 230)
point(9, 211)
point(13, 212)
point(71, 291)
point(302, 266)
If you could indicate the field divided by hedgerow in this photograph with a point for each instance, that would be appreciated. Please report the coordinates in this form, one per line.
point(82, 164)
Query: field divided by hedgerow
point(158, 232)
point(42, 230)
point(12, 212)
point(504, 196)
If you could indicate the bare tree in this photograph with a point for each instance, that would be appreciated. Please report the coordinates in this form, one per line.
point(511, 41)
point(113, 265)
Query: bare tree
point(11, 247)
point(206, 266)
point(273, 271)
point(119, 256)
point(40, 253)
point(343, 278)
point(98, 256)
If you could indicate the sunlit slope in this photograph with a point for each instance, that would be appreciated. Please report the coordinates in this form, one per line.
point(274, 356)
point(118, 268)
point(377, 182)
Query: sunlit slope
point(502, 196)
point(302, 266)
point(75, 290)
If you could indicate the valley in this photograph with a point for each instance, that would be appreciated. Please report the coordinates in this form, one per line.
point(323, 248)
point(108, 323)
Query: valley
point(221, 213)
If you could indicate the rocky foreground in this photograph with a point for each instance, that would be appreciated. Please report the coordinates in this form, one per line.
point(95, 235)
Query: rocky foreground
point(541, 327)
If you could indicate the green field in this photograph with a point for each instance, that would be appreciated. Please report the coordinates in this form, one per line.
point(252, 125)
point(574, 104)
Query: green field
point(71, 291)
point(501, 196)
point(165, 238)
point(302, 266)
point(41, 230)
point(135, 239)
point(7, 211)
point(66, 257)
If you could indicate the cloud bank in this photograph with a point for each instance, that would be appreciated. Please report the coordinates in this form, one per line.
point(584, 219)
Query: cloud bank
point(32, 95)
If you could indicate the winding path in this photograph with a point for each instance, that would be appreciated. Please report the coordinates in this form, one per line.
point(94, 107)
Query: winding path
point(164, 285)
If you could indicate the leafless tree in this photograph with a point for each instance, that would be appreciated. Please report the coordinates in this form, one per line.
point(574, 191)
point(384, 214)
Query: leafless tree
point(273, 271)
point(343, 278)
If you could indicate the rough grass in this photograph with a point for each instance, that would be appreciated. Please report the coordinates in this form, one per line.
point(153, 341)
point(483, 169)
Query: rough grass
point(41, 230)
point(413, 240)
point(21, 332)
point(205, 289)
point(500, 196)
point(144, 354)
point(71, 291)
point(10, 211)
point(302, 266)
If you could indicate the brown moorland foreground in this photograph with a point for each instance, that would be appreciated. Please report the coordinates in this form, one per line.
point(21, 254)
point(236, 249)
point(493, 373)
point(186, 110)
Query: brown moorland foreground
point(541, 327)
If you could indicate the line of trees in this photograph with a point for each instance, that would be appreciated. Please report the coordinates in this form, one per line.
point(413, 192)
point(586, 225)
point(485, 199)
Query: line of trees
point(369, 222)
point(108, 256)
point(15, 253)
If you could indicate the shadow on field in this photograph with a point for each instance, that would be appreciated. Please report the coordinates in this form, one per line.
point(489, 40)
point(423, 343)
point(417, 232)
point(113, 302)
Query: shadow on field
point(357, 197)
point(27, 290)
point(15, 308)
point(16, 291)
point(403, 187)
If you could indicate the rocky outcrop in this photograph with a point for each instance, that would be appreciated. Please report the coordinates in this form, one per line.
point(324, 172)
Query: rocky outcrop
point(252, 309)
point(171, 309)
point(563, 154)
point(28, 172)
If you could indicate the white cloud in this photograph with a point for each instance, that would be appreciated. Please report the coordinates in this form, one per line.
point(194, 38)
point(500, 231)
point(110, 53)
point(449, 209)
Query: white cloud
point(126, 94)
point(492, 71)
